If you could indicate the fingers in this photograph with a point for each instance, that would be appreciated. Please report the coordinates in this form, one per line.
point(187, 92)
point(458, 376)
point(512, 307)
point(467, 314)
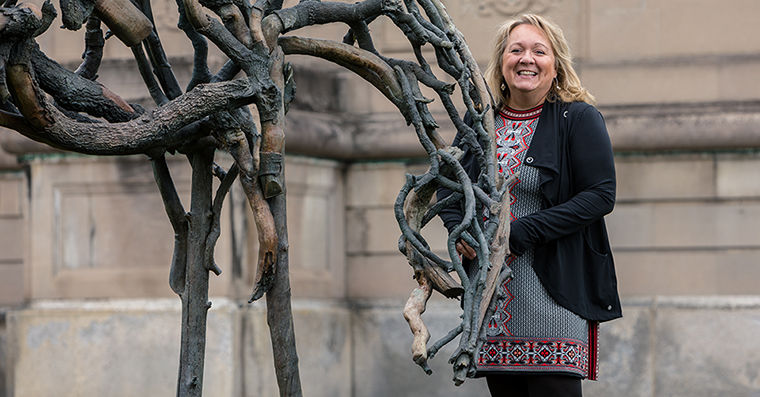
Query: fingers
point(464, 249)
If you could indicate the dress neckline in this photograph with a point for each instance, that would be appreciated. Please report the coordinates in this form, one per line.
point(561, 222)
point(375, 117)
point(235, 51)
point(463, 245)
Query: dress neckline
point(521, 114)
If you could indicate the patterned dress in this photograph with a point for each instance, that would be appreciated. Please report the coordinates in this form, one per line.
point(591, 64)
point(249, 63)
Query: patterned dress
point(529, 332)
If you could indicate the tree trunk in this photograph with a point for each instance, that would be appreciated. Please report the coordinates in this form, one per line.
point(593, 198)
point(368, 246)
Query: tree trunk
point(195, 302)
point(279, 313)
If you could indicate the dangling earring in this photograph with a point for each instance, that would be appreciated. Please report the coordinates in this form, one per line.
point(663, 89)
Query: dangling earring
point(503, 86)
point(556, 83)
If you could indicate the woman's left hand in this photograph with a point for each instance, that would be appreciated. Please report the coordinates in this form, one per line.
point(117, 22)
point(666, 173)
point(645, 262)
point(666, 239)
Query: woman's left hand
point(465, 249)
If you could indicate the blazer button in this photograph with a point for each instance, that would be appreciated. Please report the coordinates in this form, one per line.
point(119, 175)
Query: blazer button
point(609, 307)
point(529, 160)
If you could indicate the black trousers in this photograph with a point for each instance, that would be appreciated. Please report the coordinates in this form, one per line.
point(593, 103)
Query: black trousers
point(534, 385)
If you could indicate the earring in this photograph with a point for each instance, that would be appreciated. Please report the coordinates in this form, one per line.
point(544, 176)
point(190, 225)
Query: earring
point(503, 86)
point(556, 83)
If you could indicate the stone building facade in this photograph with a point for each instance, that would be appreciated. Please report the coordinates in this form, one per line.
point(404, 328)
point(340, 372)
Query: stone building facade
point(85, 247)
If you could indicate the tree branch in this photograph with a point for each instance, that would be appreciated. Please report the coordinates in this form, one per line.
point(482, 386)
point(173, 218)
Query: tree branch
point(364, 63)
point(178, 219)
point(76, 93)
point(161, 127)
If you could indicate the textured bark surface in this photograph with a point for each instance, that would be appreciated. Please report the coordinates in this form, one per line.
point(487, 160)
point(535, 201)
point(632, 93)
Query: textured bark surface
point(279, 313)
point(125, 20)
point(79, 94)
point(195, 303)
point(415, 306)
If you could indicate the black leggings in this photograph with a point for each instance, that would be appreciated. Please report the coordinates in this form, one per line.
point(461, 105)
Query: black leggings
point(534, 386)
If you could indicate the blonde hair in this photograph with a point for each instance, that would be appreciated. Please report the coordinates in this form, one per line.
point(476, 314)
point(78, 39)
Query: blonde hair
point(570, 88)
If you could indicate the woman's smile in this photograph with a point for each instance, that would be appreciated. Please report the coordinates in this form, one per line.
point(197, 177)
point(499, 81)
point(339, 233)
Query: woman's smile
point(528, 67)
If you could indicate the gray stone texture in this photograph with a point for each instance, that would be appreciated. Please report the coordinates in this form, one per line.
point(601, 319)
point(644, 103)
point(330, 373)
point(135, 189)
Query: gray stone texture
point(663, 346)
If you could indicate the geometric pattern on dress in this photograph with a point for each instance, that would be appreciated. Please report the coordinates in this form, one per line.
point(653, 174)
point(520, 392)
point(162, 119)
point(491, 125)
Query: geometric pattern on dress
point(512, 142)
point(529, 331)
point(514, 132)
point(534, 355)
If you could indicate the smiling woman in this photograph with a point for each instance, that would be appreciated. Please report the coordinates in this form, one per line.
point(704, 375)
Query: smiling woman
point(528, 67)
point(542, 337)
point(567, 86)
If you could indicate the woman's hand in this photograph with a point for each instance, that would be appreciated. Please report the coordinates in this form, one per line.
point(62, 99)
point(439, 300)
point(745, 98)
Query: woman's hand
point(464, 249)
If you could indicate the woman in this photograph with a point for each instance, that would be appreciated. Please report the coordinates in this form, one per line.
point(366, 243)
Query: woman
point(542, 339)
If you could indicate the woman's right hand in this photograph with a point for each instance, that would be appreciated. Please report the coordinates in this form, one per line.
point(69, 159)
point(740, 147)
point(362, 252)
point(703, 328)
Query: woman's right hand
point(464, 249)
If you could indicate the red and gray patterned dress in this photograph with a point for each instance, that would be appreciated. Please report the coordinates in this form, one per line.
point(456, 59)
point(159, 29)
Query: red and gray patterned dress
point(529, 332)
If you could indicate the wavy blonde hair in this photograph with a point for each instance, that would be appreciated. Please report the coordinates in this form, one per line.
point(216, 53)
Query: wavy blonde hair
point(570, 88)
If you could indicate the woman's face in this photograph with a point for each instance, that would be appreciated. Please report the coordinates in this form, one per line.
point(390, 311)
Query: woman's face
point(528, 66)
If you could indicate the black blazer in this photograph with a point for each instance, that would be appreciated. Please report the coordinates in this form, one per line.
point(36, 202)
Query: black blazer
point(573, 260)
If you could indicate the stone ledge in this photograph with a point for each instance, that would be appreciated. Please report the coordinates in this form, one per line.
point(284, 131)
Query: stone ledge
point(343, 344)
point(726, 302)
point(647, 128)
point(684, 131)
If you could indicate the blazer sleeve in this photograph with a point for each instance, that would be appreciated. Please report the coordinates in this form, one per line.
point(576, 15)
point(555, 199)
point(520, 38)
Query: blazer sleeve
point(592, 169)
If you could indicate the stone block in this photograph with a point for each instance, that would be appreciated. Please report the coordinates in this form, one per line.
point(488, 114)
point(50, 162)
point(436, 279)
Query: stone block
point(374, 184)
point(663, 30)
point(626, 361)
point(382, 359)
point(316, 227)
point(682, 224)
point(371, 231)
point(376, 231)
point(131, 348)
point(707, 348)
point(379, 276)
point(737, 272)
point(11, 187)
point(738, 88)
point(11, 284)
point(687, 36)
point(357, 96)
point(738, 177)
point(654, 51)
point(94, 219)
point(678, 272)
point(116, 348)
point(658, 82)
point(86, 249)
point(671, 81)
point(103, 230)
point(688, 272)
point(323, 337)
point(622, 30)
point(630, 225)
point(12, 236)
point(664, 177)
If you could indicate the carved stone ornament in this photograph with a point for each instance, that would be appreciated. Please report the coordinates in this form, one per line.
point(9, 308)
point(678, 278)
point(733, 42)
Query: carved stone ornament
point(508, 8)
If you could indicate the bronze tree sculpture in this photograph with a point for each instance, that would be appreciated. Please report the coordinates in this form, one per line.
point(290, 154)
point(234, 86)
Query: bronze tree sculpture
point(68, 110)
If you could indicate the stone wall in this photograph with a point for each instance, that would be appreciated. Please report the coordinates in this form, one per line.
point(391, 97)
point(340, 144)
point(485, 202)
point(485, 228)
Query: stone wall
point(663, 346)
point(12, 228)
point(687, 224)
